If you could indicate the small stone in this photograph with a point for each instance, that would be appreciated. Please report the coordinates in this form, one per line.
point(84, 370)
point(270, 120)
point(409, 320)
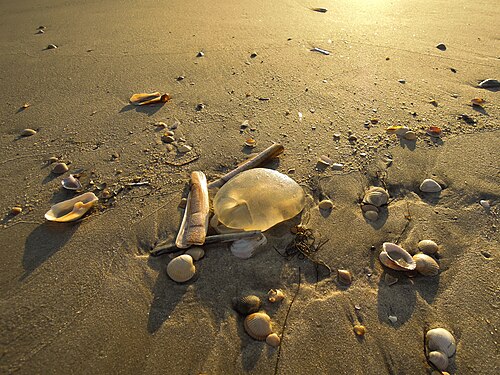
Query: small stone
point(200, 54)
point(430, 186)
point(180, 78)
point(60, 168)
point(244, 124)
point(393, 319)
point(253, 55)
point(200, 106)
point(441, 47)
point(325, 160)
point(28, 132)
point(344, 276)
point(485, 204)
point(337, 166)
point(16, 210)
point(352, 138)
point(184, 148)
point(325, 204)
point(52, 46)
point(402, 81)
point(336, 136)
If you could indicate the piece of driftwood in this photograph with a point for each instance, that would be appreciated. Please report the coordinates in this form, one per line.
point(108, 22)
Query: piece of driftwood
point(266, 155)
point(170, 247)
point(194, 224)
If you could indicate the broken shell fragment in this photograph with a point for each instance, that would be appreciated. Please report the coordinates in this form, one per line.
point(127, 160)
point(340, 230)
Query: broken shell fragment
point(398, 130)
point(71, 183)
point(258, 325)
point(60, 168)
point(246, 247)
point(325, 204)
point(325, 160)
point(430, 186)
point(250, 142)
point(428, 247)
point(478, 102)
point(376, 196)
point(273, 340)
point(181, 268)
point(438, 359)
point(275, 295)
point(344, 276)
point(71, 209)
point(426, 265)
point(439, 339)
point(149, 98)
point(434, 131)
point(396, 258)
point(16, 210)
point(28, 132)
point(359, 330)
point(184, 149)
point(196, 253)
point(247, 304)
point(194, 225)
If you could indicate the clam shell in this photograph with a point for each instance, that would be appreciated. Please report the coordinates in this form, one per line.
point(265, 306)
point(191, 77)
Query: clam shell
point(426, 265)
point(325, 204)
point(71, 183)
point(376, 196)
point(428, 247)
point(246, 247)
point(28, 132)
point(258, 325)
point(275, 295)
point(196, 253)
point(181, 268)
point(410, 136)
point(71, 209)
point(345, 277)
point(371, 215)
point(438, 359)
point(369, 207)
point(430, 186)
point(273, 340)
point(247, 304)
point(439, 339)
point(397, 258)
point(60, 168)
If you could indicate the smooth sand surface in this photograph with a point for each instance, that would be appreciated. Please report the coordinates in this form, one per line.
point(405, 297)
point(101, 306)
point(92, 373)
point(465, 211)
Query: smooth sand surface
point(86, 298)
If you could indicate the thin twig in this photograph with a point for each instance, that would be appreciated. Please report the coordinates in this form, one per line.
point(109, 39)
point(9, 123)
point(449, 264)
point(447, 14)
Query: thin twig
point(284, 326)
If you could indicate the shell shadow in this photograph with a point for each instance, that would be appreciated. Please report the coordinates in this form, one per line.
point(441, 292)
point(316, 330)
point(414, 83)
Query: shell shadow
point(150, 109)
point(405, 143)
point(480, 109)
point(427, 287)
point(398, 300)
point(43, 242)
point(50, 177)
point(430, 198)
point(383, 215)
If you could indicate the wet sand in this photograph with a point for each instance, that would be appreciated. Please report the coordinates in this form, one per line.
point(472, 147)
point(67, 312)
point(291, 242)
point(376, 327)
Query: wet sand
point(86, 298)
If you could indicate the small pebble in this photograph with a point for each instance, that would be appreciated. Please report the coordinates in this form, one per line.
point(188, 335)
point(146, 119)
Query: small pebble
point(401, 81)
point(167, 138)
point(52, 46)
point(184, 148)
point(359, 330)
point(393, 319)
point(325, 160)
point(430, 186)
point(200, 106)
point(428, 247)
point(441, 47)
point(28, 132)
point(325, 204)
point(200, 54)
point(336, 136)
point(337, 166)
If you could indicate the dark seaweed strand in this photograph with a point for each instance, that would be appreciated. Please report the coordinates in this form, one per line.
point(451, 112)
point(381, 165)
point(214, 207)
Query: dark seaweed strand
point(284, 326)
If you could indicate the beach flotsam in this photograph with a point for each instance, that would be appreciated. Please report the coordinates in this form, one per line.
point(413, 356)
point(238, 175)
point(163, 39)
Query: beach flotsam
point(428, 247)
point(71, 183)
point(397, 258)
point(71, 209)
point(430, 186)
point(275, 295)
point(181, 268)
point(376, 196)
point(258, 325)
point(273, 340)
point(440, 346)
point(246, 304)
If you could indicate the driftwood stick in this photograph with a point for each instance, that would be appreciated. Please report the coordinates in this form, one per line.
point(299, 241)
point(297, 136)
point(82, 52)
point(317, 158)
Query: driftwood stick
point(266, 155)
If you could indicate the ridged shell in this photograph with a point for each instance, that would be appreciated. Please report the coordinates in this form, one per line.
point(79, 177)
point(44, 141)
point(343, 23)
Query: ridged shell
point(426, 265)
point(430, 186)
point(439, 339)
point(71, 209)
point(428, 247)
point(245, 248)
point(258, 325)
point(71, 183)
point(438, 359)
point(376, 196)
point(275, 295)
point(181, 268)
point(247, 304)
point(196, 253)
point(273, 340)
point(397, 258)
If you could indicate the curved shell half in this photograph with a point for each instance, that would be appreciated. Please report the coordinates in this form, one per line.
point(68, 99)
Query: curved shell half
point(426, 265)
point(441, 340)
point(438, 359)
point(376, 196)
point(397, 258)
point(258, 325)
point(71, 209)
point(181, 268)
point(247, 304)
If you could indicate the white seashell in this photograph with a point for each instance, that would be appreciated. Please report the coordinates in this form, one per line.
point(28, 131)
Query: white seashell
point(426, 265)
point(397, 258)
point(71, 209)
point(430, 186)
point(258, 325)
point(376, 196)
point(273, 340)
point(60, 168)
point(246, 247)
point(275, 295)
point(439, 339)
point(71, 183)
point(196, 253)
point(438, 359)
point(485, 204)
point(181, 268)
point(371, 215)
point(428, 247)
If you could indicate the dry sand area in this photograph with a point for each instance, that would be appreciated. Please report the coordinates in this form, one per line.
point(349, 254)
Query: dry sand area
point(86, 297)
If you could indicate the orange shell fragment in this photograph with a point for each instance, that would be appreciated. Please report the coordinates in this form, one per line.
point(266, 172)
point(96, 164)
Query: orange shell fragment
point(149, 98)
point(434, 131)
point(478, 101)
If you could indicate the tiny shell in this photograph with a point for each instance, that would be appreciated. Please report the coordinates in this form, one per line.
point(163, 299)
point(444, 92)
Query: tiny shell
point(376, 196)
point(434, 131)
point(359, 330)
point(71, 183)
point(438, 359)
point(16, 210)
point(410, 136)
point(196, 253)
point(28, 132)
point(273, 340)
point(485, 204)
point(478, 101)
point(439, 339)
point(52, 46)
point(371, 215)
point(369, 207)
point(393, 318)
point(60, 168)
point(250, 142)
point(325, 204)
point(149, 98)
point(428, 247)
point(430, 186)
point(325, 160)
point(71, 209)
point(345, 276)
point(247, 304)
point(275, 295)
point(245, 248)
point(258, 325)
point(181, 268)
point(184, 149)
point(397, 258)
point(426, 265)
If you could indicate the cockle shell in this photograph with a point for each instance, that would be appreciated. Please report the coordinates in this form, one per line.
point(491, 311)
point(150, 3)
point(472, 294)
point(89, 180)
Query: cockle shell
point(426, 265)
point(196, 253)
point(428, 247)
point(247, 304)
point(246, 247)
point(397, 258)
point(430, 186)
point(275, 295)
point(181, 268)
point(439, 339)
point(376, 196)
point(273, 340)
point(438, 359)
point(71, 183)
point(71, 209)
point(258, 325)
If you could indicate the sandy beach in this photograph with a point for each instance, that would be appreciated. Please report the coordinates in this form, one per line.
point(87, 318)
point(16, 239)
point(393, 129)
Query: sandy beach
point(86, 297)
